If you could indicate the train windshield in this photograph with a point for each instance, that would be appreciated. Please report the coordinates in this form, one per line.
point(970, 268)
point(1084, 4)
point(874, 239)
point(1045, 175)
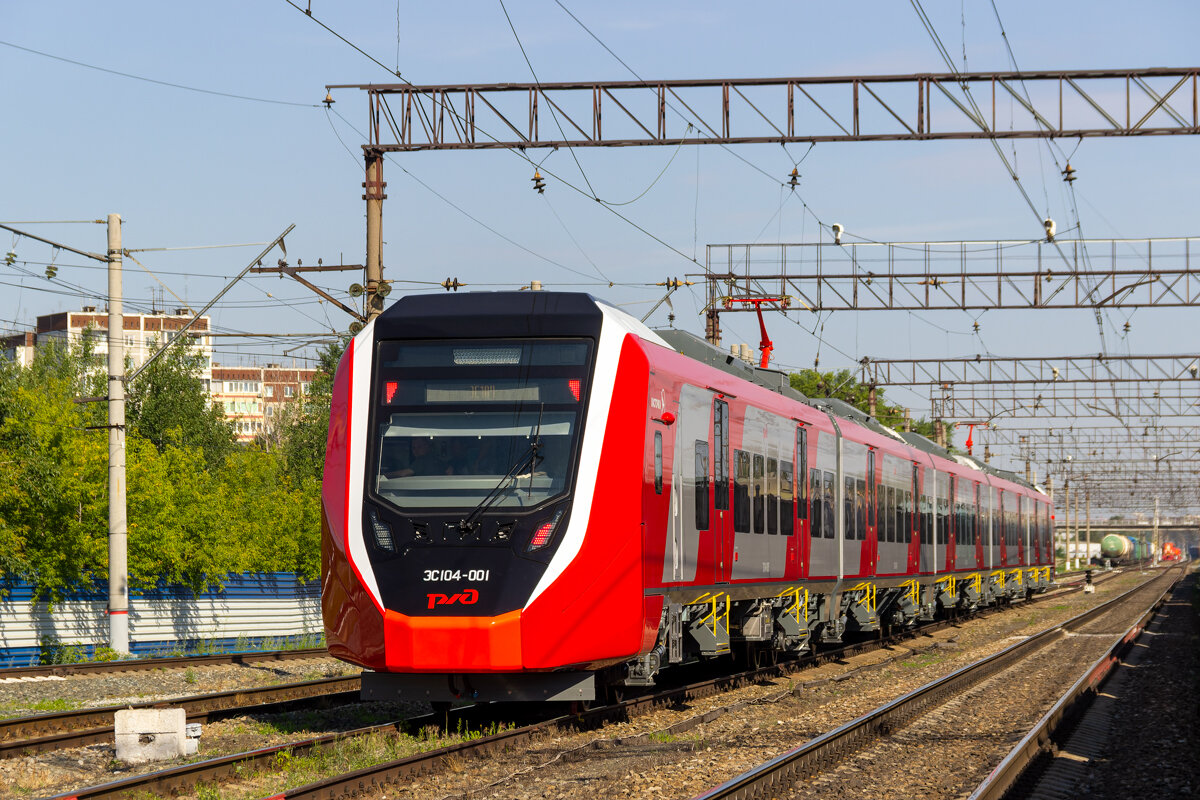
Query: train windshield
point(456, 421)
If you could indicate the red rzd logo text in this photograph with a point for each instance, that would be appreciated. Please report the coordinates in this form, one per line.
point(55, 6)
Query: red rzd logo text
point(467, 598)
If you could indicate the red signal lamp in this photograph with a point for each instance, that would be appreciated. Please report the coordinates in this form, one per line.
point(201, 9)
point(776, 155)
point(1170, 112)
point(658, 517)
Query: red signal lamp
point(667, 418)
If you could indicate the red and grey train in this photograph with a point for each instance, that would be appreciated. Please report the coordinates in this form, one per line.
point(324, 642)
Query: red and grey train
point(528, 495)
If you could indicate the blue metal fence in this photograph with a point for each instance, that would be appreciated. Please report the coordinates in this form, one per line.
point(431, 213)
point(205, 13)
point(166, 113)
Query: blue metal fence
point(251, 609)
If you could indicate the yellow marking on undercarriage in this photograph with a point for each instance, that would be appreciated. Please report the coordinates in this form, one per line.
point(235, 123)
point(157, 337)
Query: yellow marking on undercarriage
point(794, 591)
point(1017, 572)
point(868, 591)
point(912, 588)
point(949, 581)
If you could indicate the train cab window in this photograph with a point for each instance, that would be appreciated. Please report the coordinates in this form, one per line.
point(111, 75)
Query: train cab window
point(759, 495)
point(701, 485)
point(773, 496)
point(721, 462)
point(741, 491)
point(787, 520)
point(658, 464)
point(801, 471)
point(454, 423)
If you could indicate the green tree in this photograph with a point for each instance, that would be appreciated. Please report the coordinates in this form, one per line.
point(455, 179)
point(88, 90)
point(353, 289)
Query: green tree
point(168, 404)
point(842, 385)
point(52, 475)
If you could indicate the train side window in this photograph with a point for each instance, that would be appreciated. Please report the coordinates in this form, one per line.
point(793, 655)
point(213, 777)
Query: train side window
point(701, 485)
point(773, 496)
point(759, 495)
point(658, 462)
point(721, 460)
point(741, 491)
point(787, 523)
point(906, 517)
point(883, 530)
point(828, 500)
point(801, 471)
point(814, 496)
point(860, 509)
point(848, 509)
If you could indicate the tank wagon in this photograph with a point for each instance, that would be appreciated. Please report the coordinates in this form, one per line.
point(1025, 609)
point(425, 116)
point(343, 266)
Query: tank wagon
point(1121, 549)
point(531, 495)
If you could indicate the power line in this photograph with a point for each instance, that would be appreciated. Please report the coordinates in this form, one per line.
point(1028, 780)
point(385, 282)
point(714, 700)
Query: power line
point(156, 81)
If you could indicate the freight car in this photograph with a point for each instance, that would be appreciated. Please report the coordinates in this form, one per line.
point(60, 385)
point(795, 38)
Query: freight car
point(1118, 548)
point(531, 495)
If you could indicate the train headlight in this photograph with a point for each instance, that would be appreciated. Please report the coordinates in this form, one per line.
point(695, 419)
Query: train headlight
point(545, 532)
point(382, 531)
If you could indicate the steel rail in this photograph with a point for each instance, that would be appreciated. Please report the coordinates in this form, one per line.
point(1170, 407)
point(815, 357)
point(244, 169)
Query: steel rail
point(172, 662)
point(827, 749)
point(1013, 768)
point(62, 729)
point(180, 778)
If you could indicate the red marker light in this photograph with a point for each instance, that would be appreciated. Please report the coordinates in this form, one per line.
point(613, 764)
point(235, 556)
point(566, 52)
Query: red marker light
point(574, 385)
point(668, 418)
point(541, 536)
point(390, 390)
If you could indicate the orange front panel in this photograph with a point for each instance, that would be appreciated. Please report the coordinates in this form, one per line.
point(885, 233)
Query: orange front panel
point(453, 644)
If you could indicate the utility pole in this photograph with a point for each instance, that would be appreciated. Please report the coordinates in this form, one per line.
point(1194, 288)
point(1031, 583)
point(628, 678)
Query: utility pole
point(1088, 522)
point(1066, 524)
point(1154, 544)
point(1076, 530)
point(118, 563)
point(373, 193)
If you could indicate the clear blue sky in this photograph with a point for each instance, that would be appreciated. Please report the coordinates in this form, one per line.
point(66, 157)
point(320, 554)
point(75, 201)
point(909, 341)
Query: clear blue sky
point(189, 168)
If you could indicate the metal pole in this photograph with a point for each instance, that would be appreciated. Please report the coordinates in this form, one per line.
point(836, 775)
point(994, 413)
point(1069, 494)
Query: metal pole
point(1066, 525)
point(1154, 557)
point(118, 565)
point(374, 196)
point(1077, 530)
point(1088, 505)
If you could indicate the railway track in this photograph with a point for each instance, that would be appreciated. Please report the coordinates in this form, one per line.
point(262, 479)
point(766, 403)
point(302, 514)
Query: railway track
point(928, 727)
point(179, 778)
point(174, 662)
point(62, 729)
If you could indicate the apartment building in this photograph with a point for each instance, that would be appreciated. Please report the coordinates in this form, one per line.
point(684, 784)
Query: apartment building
point(254, 397)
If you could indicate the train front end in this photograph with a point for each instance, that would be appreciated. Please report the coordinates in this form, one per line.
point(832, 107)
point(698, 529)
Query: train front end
point(481, 498)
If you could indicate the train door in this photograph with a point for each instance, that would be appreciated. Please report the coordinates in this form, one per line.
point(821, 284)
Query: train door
point(995, 559)
point(689, 518)
point(890, 530)
point(759, 551)
point(873, 518)
point(722, 522)
point(800, 536)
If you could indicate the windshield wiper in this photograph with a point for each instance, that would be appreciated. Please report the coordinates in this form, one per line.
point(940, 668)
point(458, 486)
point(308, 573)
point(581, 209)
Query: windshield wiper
point(527, 460)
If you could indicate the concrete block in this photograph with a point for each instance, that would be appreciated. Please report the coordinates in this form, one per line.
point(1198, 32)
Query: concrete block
point(151, 734)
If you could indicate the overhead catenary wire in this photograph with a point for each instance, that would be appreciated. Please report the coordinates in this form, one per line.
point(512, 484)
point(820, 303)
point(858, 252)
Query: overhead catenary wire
point(168, 84)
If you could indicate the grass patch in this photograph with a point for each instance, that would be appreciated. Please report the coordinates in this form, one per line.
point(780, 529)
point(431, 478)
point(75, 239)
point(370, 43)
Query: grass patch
point(923, 660)
point(55, 704)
